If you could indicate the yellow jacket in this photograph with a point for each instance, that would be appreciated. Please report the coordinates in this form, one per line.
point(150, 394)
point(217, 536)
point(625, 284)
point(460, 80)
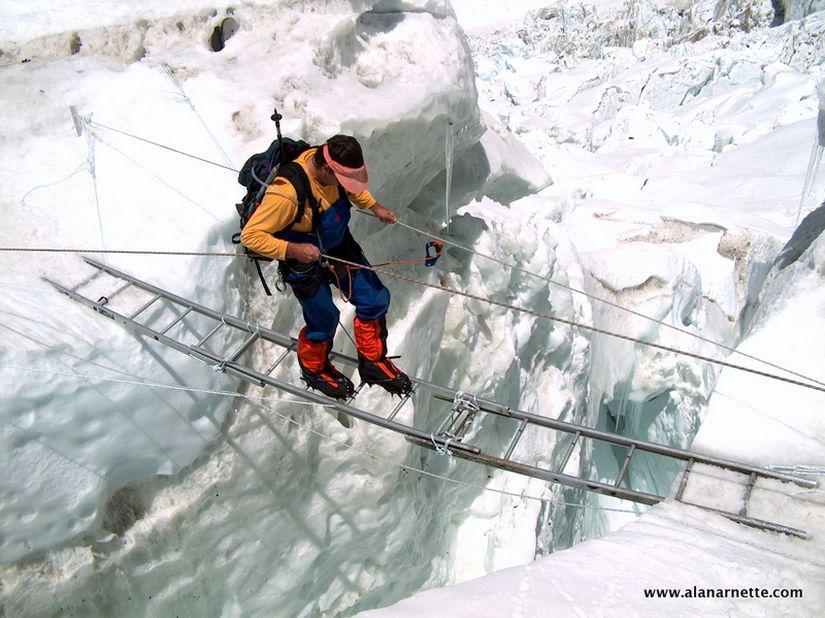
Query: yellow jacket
point(280, 206)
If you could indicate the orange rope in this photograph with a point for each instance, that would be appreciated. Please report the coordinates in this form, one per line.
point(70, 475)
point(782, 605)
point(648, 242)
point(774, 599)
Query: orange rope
point(351, 266)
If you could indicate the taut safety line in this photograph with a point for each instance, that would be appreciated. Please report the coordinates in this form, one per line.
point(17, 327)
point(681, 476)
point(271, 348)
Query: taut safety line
point(537, 314)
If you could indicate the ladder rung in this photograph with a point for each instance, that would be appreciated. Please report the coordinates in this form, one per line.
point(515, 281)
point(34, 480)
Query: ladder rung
point(144, 306)
point(176, 321)
point(401, 403)
point(88, 279)
point(119, 290)
point(626, 464)
point(209, 334)
point(683, 482)
point(751, 482)
point(280, 359)
point(447, 422)
point(516, 438)
point(253, 337)
point(570, 450)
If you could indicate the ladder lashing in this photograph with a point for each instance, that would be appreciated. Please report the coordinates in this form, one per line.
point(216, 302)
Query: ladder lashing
point(460, 417)
point(683, 482)
point(87, 280)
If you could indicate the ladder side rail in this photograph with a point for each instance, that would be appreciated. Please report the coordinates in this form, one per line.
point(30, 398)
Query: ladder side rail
point(754, 522)
point(255, 376)
point(486, 405)
point(230, 320)
point(554, 477)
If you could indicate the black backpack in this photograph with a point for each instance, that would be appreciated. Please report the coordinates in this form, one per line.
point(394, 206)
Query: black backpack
point(258, 173)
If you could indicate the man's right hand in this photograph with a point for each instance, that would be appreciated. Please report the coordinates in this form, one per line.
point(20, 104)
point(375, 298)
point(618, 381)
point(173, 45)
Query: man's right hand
point(303, 252)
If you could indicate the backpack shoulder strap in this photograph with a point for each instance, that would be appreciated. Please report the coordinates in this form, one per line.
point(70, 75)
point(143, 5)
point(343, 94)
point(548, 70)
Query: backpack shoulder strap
point(297, 177)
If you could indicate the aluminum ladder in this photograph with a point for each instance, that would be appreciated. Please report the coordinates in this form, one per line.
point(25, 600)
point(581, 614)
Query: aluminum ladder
point(189, 327)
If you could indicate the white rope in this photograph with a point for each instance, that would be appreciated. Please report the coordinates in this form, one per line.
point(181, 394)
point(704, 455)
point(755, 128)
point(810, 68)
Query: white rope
point(605, 301)
point(158, 178)
point(191, 105)
point(442, 449)
point(79, 169)
point(90, 141)
point(88, 122)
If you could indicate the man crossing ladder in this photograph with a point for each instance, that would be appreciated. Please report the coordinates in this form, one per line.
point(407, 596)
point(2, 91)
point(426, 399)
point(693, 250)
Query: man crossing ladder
point(336, 177)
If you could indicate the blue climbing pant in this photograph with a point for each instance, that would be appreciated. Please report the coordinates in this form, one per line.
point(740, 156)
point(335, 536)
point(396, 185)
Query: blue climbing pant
point(311, 285)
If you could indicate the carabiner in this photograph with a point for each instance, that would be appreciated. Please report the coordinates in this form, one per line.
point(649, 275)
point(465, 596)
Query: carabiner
point(432, 256)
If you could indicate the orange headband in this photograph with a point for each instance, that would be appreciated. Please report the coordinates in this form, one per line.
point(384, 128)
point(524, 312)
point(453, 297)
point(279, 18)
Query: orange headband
point(353, 179)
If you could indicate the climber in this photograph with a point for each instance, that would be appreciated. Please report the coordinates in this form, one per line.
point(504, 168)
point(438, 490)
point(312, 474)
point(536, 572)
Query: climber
point(333, 177)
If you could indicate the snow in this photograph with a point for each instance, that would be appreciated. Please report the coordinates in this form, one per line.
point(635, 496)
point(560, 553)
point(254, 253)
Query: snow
point(660, 167)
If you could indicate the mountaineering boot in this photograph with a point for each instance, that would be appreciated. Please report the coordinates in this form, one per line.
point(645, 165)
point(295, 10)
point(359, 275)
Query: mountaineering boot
point(373, 364)
point(317, 370)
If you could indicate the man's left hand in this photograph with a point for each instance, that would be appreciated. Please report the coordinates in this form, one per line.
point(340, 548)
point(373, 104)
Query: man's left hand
point(384, 214)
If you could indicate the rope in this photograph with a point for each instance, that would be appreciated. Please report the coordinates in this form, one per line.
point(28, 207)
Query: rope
point(588, 327)
point(93, 171)
point(79, 169)
point(117, 251)
point(593, 297)
point(158, 178)
point(817, 386)
point(442, 449)
point(191, 105)
point(604, 301)
point(92, 123)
